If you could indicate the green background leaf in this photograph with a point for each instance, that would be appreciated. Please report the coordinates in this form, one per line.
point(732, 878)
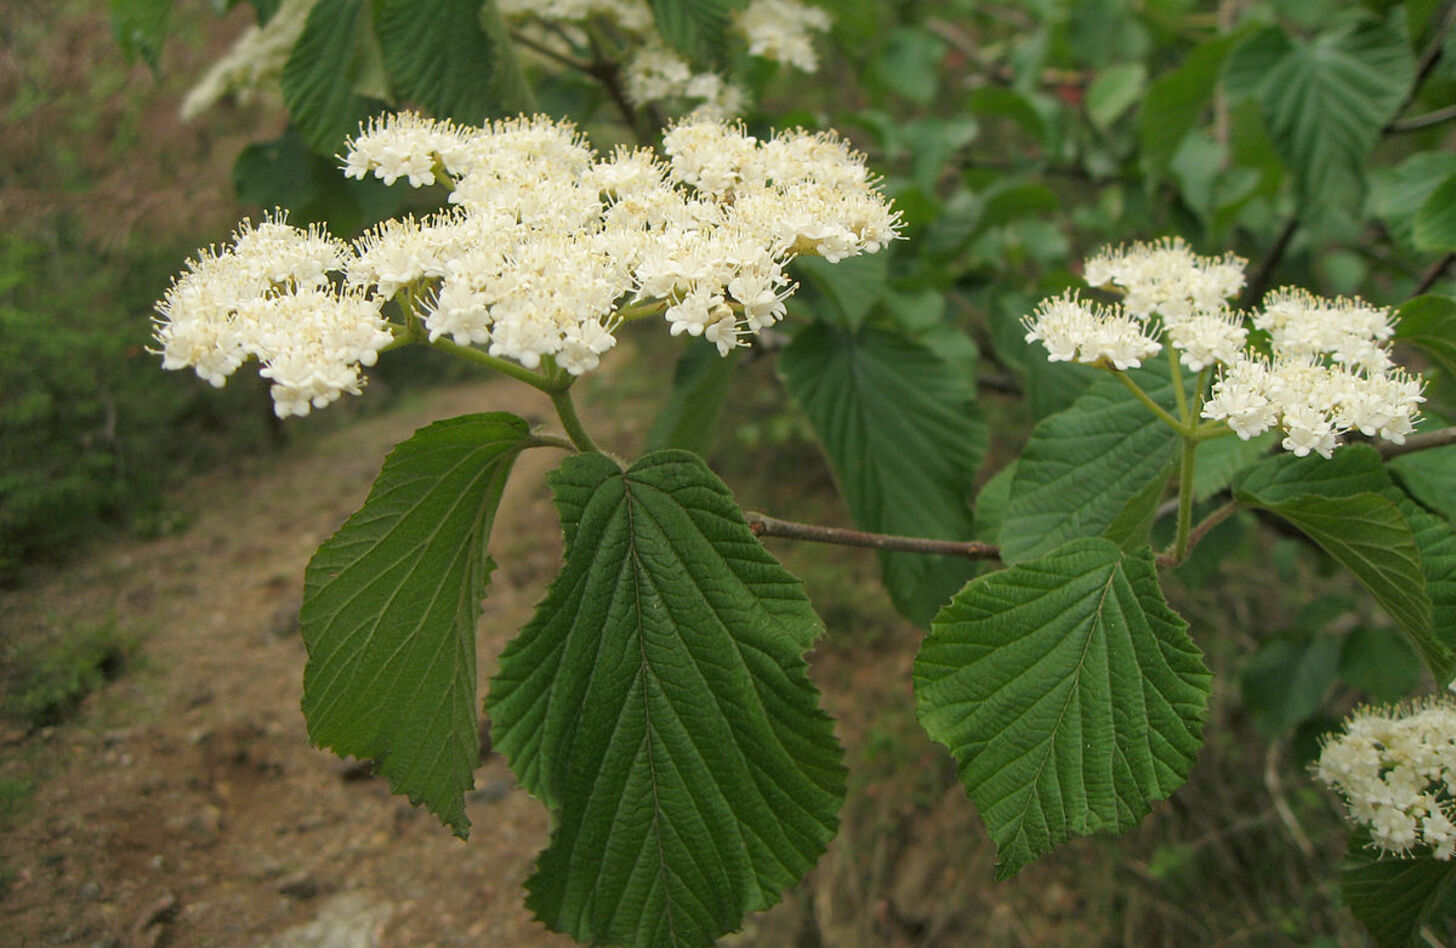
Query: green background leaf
point(438, 56)
point(390, 606)
point(700, 383)
point(1430, 322)
point(905, 436)
point(659, 701)
point(323, 71)
point(1069, 694)
point(1175, 101)
point(1396, 194)
point(694, 28)
point(1435, 223)
point(1115, 91)
point(1402, 553)
point(1083, 466)
point(1326, 100)
point(1393, 897)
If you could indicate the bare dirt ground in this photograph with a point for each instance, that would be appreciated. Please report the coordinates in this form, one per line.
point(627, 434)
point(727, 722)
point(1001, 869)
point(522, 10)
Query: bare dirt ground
point(185, 803)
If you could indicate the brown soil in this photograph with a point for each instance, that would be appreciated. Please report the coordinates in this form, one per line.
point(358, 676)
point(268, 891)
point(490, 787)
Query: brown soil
point(185, 801)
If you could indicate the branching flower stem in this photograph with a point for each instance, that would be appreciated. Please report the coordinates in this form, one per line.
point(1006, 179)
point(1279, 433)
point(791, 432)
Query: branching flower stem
point(1153, 406)
point(505, 366)
point(575, 430)
point(555, 382)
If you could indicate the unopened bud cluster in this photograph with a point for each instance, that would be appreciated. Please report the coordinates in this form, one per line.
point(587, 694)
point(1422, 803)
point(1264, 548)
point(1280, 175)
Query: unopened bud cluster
point(1396, 769)
point(1326, 371)
point(544, 244)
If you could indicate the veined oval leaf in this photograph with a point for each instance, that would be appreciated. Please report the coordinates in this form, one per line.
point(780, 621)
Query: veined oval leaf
point(659, 701)
point(1435, 223)
point(1394, 898)
point(389, 611)
point(1430, 322)
point(1067, 691)
point(438, 55)
point(1402, 553)
point(1326, 100)
point(1083, 466)
point(902, 428)
point(321, 74)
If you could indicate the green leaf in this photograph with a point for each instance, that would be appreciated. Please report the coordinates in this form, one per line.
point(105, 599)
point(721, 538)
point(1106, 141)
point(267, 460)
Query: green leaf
point(438, 56)
point(1403, 554)
point(1285, 681)
point(852, 286)
point(1069, 694)
point(1115, 91)
point(1394, 898)
point(141, 28)
point(908, 63)
point(904, 434)
point(999, 100)
point(323, 71)
point(700, 383)
point(1176, 100)
point(1326, 100)
point(1430, 322)
point(694, 28)
point(389, 611)
point(1396, 194)
point(1083, 466)
point(659, 701)
point(1378, 661)
point(1366, 533)
point(1223, 459)
point(1435, 224)
point(1429, 476)
point(991, 503)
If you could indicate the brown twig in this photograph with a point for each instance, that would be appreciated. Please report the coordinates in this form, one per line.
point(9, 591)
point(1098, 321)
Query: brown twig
point(765, 526)
point(1417, 122)
point(1259, 285)
point(1444, 19)
point(1434, 274)
point(1200, 531)
point(1440, 438)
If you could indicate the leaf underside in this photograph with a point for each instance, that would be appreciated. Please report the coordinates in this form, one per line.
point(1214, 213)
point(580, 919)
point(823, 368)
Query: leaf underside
point(659, 702)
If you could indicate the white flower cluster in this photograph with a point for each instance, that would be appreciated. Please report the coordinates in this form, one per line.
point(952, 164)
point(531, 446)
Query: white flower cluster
point(268, 296)
point(780, 31)
point(1073, 330)
point(783, 31)
point(254, 63)
point(544, 244)
point(1327, 370)
point(1396, 769)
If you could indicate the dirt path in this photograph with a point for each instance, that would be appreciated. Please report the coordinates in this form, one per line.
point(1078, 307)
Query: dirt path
point(185, 806)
